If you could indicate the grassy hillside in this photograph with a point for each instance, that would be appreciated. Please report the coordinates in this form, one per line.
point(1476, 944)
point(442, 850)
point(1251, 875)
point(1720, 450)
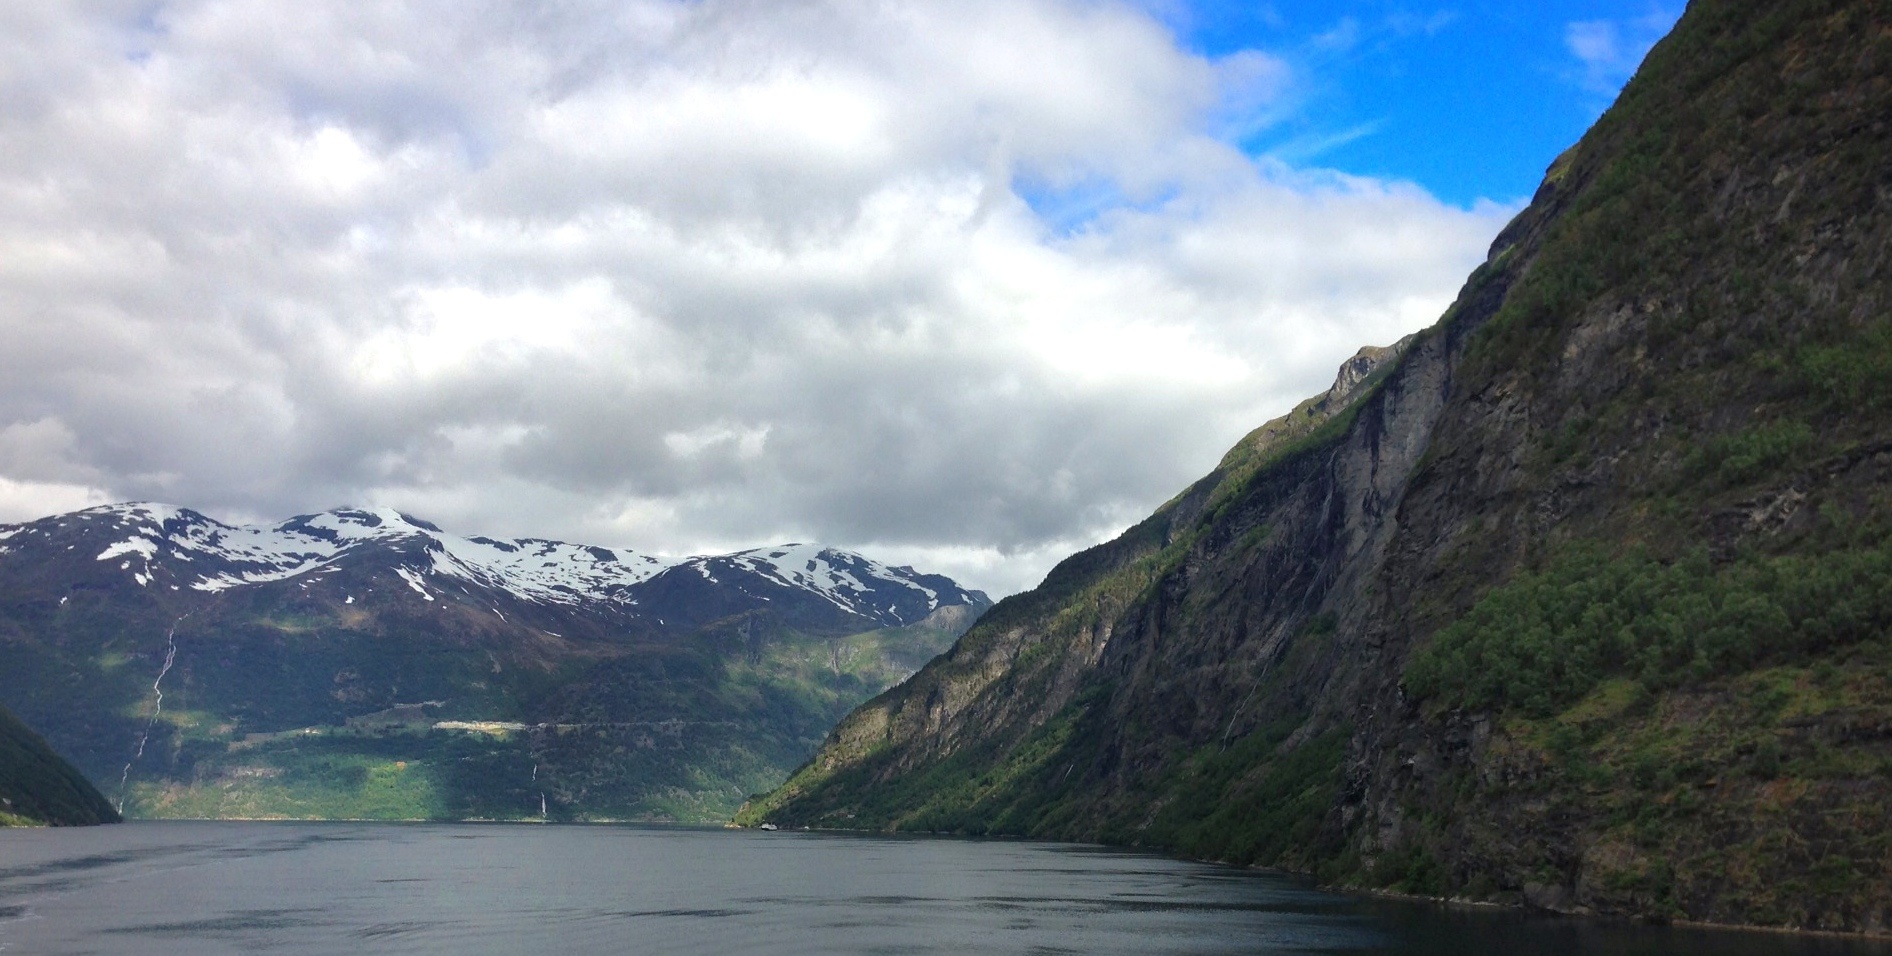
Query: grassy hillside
point(678, 733)
point(1031, 659)
point(283, 707)
point(37, 788)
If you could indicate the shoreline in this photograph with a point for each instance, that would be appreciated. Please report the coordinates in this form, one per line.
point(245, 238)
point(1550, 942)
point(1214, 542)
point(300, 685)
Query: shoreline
point(1468, 903)
point(1396, 896)
point(1455, 902)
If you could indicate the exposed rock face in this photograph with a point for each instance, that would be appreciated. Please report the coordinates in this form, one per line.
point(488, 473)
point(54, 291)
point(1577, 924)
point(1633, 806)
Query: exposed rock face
point(1355, 371)
point(1573, 603)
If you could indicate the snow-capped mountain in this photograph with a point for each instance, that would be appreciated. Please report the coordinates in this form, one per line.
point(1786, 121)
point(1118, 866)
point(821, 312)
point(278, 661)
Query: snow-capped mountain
point(349, 551)
point(800, 581)
point(200, 668)
point(188, 549)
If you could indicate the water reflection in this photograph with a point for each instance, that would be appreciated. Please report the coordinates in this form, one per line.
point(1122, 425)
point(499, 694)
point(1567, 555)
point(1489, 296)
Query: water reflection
point(152, 888)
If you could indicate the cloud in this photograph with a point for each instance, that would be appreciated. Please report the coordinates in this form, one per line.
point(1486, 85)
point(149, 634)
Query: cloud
point(1407, 23)
point(1609, 51)
point(677, 276)
point(1342, 37)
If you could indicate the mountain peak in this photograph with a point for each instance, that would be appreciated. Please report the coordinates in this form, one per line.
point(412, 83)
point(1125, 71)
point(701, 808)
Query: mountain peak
point(474, 658)
point(174, 548)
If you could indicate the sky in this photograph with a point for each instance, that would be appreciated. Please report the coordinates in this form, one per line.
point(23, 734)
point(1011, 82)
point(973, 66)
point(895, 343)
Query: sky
point(966, 285)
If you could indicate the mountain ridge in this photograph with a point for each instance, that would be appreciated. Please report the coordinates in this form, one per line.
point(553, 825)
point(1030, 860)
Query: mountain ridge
point(370, 664)
point(532, 569)
point(38, 788)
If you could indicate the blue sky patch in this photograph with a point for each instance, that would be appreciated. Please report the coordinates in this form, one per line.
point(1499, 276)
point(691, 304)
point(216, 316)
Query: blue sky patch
point(1471, 100)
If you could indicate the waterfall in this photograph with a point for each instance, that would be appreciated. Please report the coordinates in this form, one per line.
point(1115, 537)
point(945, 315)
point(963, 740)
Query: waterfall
point(157, 690)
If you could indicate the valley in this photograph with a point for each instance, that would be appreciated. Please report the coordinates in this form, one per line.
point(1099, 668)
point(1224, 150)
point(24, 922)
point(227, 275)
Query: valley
point(1578, 600)
point(368, 665)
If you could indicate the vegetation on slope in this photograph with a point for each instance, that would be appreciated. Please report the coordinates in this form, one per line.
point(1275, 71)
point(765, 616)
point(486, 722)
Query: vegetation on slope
point(1027, 786)
point(1545, 640)
point(37, 788)
point(280, 711)
point(1684, 678)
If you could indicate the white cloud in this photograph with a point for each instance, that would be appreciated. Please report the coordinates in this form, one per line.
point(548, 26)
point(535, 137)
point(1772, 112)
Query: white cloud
point(675, 276)
point(27, 500)
point(1609, 51)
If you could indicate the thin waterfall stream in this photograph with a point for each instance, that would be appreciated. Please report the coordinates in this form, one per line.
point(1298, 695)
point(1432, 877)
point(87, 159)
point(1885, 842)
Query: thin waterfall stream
point(157, 690)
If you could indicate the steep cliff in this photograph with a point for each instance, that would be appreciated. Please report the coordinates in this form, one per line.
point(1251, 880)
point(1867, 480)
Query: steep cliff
point(1580, 598)
point(37, 788)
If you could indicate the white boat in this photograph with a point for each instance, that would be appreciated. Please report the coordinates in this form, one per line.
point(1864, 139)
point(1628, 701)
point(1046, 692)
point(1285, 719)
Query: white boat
point(770, 826)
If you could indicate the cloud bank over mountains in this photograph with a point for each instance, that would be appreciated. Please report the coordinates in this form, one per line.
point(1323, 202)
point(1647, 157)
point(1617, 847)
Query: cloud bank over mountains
point(966, 285)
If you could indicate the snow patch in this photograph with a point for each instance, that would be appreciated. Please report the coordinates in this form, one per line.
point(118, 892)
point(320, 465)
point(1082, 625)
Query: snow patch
point(143, 546)
point(222, 582)
point(413, 581)
point(528, 569)
point(849, 581)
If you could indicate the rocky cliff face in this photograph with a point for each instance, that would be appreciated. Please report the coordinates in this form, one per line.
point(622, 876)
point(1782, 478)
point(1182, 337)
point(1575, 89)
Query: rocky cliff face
point(1576, 599)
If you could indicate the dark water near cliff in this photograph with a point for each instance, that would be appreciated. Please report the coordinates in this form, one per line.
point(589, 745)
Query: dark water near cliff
point(156, 888)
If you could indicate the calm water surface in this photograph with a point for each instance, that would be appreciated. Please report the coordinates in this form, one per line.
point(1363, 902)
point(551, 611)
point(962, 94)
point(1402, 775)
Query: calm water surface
point(157, 888)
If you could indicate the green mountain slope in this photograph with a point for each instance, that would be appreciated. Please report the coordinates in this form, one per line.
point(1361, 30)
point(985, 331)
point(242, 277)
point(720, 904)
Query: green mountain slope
point(37, 788)
point(310, 711)
point(186, 677)
point(1584, 604)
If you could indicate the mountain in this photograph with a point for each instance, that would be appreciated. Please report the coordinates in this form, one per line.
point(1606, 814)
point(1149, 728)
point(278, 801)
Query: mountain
point(1581, 598)
point(361, 663)
point(37, 788)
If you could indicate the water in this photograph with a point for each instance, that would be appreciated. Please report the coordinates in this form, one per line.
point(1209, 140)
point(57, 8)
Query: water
point(197, 888)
